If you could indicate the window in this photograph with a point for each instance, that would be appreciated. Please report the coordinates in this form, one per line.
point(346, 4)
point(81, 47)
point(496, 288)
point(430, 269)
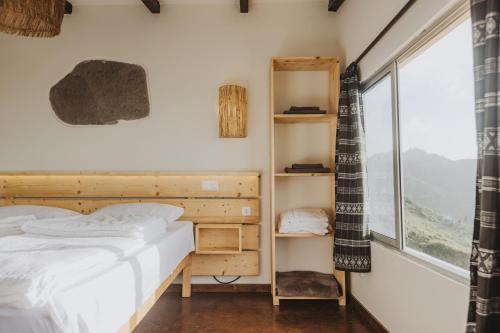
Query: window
point(379, 154)
point(421, 147)
point(438, 147)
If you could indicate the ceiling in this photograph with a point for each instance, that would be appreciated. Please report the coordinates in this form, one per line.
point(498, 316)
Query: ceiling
point(214, 2)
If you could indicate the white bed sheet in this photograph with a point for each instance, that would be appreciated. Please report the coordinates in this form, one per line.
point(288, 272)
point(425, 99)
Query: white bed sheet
point(103, 303)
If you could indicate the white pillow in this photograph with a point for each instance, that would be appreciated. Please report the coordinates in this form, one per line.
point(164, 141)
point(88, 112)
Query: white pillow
point(39, 212)
point(168, 212)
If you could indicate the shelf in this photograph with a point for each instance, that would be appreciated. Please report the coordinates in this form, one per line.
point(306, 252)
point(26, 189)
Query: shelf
point(304, 63)
point(305, 297)
point(218, 238)
point(296, 285)
point(301, 235)
point(304, 118)
point(307, 285)
point(217, 250)
point(284, 174)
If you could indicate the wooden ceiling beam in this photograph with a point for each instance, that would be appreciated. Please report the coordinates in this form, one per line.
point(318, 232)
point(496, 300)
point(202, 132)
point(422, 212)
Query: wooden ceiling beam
point(334, 5)
point(153, 6)
point(68, 8)
point(243, 6)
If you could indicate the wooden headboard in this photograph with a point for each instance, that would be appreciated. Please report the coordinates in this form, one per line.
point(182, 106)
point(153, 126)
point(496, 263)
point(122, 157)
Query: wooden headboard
point(206, 197)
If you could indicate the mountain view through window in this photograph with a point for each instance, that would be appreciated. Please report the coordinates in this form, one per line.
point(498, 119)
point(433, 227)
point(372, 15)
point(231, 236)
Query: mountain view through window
point(437, 149)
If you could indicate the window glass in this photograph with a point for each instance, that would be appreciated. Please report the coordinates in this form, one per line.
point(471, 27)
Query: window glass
point(379, 152)
point(438, 147)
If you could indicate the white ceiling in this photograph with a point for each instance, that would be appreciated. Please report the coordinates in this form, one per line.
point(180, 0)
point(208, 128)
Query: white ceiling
point(214, 2)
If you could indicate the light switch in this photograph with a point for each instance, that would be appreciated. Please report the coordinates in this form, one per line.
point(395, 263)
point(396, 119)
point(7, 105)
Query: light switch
point(210, 185)
point(246, 211)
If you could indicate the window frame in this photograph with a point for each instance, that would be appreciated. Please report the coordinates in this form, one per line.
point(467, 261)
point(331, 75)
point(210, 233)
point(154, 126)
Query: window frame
point(391, 72)
point(426, 38)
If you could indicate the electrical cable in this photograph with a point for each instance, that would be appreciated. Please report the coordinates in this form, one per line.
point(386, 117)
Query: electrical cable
point(229, 282)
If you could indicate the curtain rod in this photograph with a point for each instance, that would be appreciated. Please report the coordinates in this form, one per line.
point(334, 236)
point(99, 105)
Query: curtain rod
point(386, 29)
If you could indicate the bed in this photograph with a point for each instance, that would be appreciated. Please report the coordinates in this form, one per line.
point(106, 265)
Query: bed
point(118, 298)
point(114, 298)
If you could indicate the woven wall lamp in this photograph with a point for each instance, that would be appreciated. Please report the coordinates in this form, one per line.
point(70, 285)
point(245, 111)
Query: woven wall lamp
point(232, 112)
point(32, 18)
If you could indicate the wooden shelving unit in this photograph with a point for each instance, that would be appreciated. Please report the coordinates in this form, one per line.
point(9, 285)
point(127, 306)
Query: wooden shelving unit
point(331, 65)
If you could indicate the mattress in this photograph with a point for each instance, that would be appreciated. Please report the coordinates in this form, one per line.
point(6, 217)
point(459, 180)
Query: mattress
point(104, 302)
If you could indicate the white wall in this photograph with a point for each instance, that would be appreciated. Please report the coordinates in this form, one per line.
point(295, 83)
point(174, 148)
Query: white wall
point(359, 22)
point(401, 293)
point(188, 51)
point(408, 297)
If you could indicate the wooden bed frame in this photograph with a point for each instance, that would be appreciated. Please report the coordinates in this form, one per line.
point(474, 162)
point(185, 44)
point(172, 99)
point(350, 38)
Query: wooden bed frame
point(185, 268)
point(205, 197)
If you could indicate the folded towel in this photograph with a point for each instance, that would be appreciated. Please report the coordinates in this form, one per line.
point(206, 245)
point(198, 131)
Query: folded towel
point(305, 214)
point(302, 229)
point(306, 220)
point(305, 224)
point(315, 227)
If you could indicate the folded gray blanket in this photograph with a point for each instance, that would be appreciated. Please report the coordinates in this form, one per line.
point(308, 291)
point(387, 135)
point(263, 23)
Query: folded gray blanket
point(307, 170)
point(297, 108)
point(307, 166)
point(304, 110)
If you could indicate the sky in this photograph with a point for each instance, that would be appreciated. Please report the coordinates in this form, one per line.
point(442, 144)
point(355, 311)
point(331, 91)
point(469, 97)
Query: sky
point(436, 101)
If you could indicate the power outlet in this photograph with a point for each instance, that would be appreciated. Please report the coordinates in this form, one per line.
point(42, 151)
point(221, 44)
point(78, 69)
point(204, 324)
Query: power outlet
point(246, 211)
point(210, 185)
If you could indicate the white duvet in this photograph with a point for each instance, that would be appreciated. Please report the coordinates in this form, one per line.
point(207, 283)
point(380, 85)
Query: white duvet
point(12, 225)
point(131, 226)
point(105, 300)
point(33, 268)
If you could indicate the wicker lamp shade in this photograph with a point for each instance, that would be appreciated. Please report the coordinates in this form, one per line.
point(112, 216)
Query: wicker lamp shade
point(232, 112)
point(32, 18)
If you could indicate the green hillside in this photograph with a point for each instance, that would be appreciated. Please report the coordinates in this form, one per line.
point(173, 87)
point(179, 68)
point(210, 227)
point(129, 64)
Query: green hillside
point(439, 202)
point(435, 235)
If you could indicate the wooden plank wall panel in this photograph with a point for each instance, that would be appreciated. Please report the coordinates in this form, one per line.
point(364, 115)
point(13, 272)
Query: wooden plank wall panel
point(87, 192)
point(231, 185)
point(246, 264)
point(196, 210)
point(251, 237)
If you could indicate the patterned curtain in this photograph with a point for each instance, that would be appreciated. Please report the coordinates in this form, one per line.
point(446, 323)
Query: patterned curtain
point(484, 305)
point(352, 241)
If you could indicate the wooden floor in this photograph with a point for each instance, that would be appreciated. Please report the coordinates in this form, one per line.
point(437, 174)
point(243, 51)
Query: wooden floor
point(247, 313)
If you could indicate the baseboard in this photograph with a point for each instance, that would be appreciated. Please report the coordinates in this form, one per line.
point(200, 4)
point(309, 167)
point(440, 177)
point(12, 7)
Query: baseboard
point(366, 315)
point(224, 288)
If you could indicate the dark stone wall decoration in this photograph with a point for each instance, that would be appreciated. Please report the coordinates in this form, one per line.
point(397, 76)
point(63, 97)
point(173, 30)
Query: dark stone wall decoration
point(99, 92)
